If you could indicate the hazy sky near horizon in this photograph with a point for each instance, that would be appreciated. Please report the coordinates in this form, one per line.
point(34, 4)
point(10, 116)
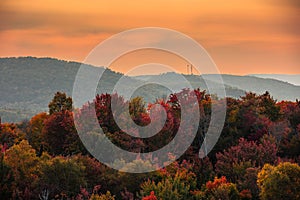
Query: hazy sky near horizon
point(242, 37)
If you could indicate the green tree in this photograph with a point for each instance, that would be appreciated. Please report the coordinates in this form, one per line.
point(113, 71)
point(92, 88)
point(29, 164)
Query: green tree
point(63, 177)
point(279, 182)
point(94, 172)
point(60, 102)
point(132, 181)
point(137, 109)
point(177, 182)
point(269, 107)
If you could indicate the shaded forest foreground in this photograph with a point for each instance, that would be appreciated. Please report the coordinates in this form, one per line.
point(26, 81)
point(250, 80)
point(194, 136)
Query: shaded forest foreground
point(256, 157)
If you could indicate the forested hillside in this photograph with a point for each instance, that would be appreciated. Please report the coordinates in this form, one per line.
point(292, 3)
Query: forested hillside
point(256, 157)
point(27, 84)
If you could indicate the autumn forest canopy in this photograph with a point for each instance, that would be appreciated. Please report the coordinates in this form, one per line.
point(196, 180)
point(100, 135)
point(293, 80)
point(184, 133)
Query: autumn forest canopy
point(149, 100)
point(256, 157)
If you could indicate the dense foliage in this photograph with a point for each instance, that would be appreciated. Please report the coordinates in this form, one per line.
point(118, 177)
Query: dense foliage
point(256, 157)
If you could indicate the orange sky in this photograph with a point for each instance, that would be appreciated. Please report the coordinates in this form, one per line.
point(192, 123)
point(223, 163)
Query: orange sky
point(242, 36)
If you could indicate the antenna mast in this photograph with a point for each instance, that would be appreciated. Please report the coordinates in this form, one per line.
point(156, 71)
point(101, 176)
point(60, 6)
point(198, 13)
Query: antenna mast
point(187, 69)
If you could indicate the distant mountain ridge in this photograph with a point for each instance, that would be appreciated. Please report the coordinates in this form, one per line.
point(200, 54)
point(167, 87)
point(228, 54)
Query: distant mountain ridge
point(289, 78)
point(278, 89)
point(27, 84)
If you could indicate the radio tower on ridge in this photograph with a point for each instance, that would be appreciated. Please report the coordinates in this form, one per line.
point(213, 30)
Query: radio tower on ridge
point(189, 67)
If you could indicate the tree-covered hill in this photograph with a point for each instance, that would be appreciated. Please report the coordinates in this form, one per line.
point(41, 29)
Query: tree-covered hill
point(27, 84)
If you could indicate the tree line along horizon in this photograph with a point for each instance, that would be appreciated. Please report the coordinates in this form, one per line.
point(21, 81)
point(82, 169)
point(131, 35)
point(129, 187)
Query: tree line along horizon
point(256, 157)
